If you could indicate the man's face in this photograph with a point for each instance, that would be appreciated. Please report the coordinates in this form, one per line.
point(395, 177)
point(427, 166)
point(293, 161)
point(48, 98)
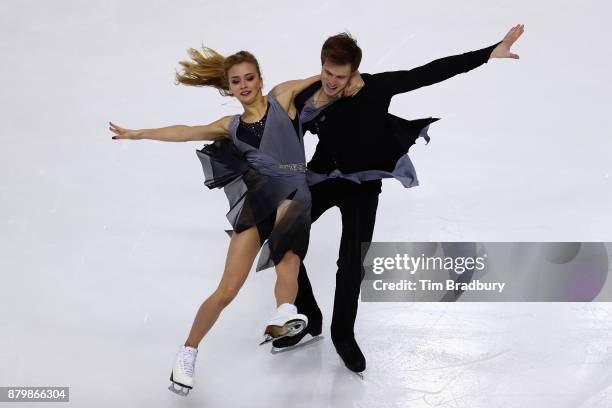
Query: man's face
point(334, 78)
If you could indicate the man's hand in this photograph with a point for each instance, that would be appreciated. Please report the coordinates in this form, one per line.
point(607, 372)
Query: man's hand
point(503, 49)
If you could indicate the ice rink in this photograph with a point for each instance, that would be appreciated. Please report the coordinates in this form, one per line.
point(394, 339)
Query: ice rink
point(109, 247)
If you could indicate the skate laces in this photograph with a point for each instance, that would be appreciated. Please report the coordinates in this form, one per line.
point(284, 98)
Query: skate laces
point(188, 356)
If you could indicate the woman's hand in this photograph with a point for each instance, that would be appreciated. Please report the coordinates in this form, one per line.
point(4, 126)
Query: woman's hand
point(121, 133)
point(354, 85)
point(503, 49)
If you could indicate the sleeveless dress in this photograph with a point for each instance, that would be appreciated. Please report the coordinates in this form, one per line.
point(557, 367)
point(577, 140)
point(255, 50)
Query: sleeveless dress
point(257, 181)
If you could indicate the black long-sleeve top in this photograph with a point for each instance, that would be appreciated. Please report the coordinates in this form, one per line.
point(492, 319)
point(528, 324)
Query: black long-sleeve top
point(357, 133)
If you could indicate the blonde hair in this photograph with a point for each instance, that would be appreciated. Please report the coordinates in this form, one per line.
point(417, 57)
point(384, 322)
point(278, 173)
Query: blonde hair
point(209, 68)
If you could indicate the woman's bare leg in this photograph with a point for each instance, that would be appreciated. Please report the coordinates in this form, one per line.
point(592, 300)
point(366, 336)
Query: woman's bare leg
point(240, 256)
point(286, 287)
point(287, 269)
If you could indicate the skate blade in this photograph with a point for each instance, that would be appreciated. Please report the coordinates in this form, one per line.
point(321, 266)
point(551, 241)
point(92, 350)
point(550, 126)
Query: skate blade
point(358, 375)
point(301, 344)
point(267, 339)
point(183, 392)
point(291, 328)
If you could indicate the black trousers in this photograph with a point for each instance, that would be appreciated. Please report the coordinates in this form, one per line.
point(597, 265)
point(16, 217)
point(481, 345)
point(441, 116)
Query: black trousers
point(357, 204)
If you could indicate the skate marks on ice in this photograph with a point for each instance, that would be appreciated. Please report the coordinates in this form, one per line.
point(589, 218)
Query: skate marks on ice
point(300, 345)
point(498, 355)
point(593, 369)
point(308, 343)
point(463, 363)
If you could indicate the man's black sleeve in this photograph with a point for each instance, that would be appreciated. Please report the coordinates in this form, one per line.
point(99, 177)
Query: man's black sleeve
point(395, 82)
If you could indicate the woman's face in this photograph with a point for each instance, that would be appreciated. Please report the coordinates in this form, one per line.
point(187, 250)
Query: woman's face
point(244, 82)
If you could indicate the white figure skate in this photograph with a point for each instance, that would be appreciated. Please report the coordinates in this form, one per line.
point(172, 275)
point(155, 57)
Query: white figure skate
point(183, 371)
point(285, 322)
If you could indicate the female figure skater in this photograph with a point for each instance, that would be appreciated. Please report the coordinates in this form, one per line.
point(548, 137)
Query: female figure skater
point(258, 158)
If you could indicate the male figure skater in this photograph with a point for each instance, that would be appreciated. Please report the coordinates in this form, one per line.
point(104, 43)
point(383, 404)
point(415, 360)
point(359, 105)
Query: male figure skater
point(360, 143)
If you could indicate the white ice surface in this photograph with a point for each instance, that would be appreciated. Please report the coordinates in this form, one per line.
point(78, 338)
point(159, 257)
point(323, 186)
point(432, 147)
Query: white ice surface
point(108, 247)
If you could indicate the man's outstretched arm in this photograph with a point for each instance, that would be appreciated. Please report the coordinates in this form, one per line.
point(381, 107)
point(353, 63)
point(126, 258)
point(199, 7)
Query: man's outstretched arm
point(444, 68)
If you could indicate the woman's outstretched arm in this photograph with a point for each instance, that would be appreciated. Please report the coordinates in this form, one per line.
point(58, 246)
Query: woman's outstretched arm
point(217, 130)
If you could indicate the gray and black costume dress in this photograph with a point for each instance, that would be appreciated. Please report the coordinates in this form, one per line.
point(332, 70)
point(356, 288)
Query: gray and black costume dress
point(263, 165)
